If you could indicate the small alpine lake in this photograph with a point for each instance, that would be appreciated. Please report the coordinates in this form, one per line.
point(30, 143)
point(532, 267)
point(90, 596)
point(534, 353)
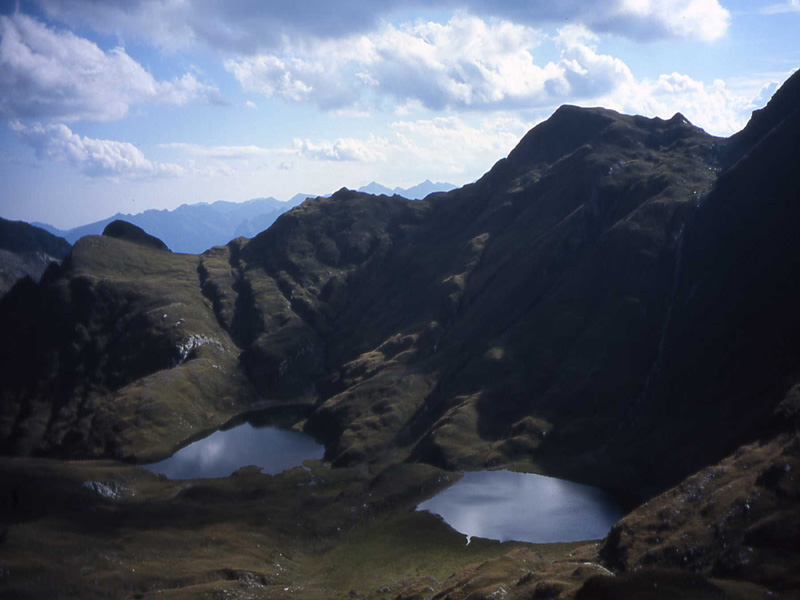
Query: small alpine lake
point(505, 506)
point(255, 442)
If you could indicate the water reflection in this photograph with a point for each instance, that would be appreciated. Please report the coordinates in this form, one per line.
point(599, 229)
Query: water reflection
point(504, 506)
point(223, 452)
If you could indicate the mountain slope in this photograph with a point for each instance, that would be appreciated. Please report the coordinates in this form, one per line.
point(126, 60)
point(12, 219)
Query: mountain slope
point(26, 250)
point(115, 353)
point(574, 310)
point(495, 302)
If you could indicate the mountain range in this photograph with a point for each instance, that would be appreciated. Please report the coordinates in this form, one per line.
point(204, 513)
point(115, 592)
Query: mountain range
point(194, 228)
point(417, 192)
point(613, 303)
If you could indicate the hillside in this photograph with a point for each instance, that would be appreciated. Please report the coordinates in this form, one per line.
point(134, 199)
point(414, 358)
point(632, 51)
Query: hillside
point(26, 251)
point(548, 313)
point(614, 303)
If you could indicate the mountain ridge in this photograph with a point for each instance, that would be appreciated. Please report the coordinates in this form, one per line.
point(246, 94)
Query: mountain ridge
point(416, 192)
point(613, 303)
point(194, 228)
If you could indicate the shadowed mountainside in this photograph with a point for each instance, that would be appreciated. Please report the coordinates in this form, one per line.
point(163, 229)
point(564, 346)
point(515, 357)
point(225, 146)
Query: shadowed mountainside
point(615, 302)
point(26, 250)
point(591, 298)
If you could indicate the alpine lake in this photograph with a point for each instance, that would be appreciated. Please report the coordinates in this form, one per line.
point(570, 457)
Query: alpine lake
point(498, 505)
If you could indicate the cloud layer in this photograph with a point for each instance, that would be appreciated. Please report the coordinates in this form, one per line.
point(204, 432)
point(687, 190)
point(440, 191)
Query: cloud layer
point(46, 73)
point(465, 63)
point(246, 26)
point(472, 64)
point(92, 157)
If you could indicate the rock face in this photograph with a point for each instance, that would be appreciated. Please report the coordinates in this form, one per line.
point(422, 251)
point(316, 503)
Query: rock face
point(26, 251)
point(618, 293)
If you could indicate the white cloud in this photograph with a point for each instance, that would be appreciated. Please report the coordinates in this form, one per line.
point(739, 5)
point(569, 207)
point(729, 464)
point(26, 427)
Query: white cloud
point(782, 8)
point(443, 145)
point(451, 145)
point(250, 26)
point(218, 152)
point(466, 63)
point(92, 157)
point(715, 107)
point(647, 20)
point(45, 73)
point(472, 64)
point(348, 149)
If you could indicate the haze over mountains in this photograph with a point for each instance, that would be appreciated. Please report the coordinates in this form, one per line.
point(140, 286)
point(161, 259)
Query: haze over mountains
point(417, 192)
point(616, 302)
point(194, 228)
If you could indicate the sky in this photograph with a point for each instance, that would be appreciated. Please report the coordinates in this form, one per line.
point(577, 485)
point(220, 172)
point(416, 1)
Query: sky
point(110, 107)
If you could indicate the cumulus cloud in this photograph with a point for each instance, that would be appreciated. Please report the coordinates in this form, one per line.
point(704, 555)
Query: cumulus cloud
point(713, 106)
point(249, 26)
point(46, 73)
point(472, 64)
point(92, 157)
point(465, 63)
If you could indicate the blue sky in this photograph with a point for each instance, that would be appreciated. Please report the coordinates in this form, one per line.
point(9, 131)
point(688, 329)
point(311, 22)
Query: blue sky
point(110, 107)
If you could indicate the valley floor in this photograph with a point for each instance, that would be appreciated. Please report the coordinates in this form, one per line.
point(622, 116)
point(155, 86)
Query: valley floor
point(104, 529)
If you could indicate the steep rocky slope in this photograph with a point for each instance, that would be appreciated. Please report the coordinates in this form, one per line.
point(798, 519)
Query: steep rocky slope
point(615, 302)
point(115, 352)
point(26, 251)
point(615, 285)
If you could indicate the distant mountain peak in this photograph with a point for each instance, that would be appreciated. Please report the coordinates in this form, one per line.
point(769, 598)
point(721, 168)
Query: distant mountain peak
point(373, 187)
point(416, 192)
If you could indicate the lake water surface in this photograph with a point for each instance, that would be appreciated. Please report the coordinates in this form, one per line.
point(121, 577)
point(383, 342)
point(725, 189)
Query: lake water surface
point(223, 452)
point(502, 505)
